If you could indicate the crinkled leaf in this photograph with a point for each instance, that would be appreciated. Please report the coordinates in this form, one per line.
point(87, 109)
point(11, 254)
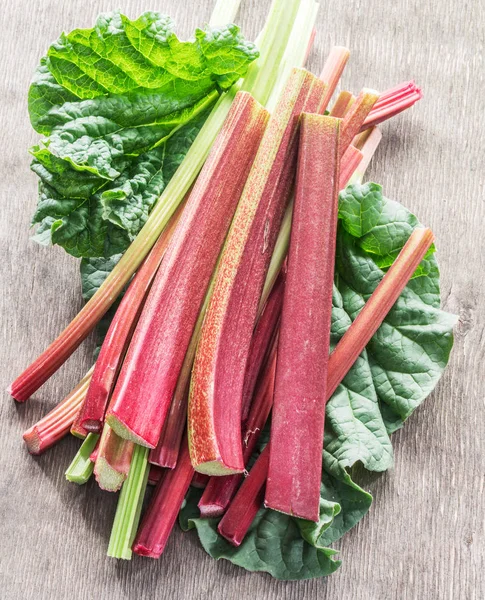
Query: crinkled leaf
point(105, 223)
point(111, 99)
point(273, 544)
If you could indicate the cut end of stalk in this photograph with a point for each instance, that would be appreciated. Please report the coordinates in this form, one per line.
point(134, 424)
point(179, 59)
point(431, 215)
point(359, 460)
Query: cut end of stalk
point(108, 478)
point(233, 539)
point(33, 441)
point(216, 468)
point(211, 511)
point(142, 550)
point(92, 425)
point(123, 431)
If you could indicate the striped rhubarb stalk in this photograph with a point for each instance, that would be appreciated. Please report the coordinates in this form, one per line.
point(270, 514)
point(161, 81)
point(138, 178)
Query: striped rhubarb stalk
point(214, 424)
point(165, 504)
point(156, 352)
point(57, 423)
point(220, 490)
point(295, 464)
point(117, 339)
point(392, 102)
point(249, 498)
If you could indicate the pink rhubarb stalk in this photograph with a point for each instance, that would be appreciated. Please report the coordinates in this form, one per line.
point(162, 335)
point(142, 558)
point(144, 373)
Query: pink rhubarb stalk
point(199, 481)
point(243, 509)
point(156, 352)
point(112, 352)
point(214, 424)
point(155, 474)
point(392, 102)
point(249, 499)
point(165, 504)
point(342, 104)
point(113, 460)
point(220, 490)
point(57, 423)
point(295, 466)
point(261, 342)
point(77, 430)
point(333, 69)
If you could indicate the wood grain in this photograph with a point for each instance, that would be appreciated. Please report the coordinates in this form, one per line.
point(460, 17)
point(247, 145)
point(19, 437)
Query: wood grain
point(424, 536)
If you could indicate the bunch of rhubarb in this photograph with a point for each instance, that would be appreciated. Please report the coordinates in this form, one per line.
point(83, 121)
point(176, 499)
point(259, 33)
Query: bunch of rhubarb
point(266, 325)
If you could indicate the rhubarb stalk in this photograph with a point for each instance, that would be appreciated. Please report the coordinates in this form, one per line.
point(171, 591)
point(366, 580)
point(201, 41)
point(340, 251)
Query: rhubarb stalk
point(129, 506)
point(392, 102)
point(261, 342)
point(220, 490)
point(81, 468)
point(112, 460)
point(157, 349)
point(165, 504)
point(342, 104)
point(56, 424)
point(219, 366)
point(242, 510)
point(295, 464)
point(109, 361)
point(376, 308)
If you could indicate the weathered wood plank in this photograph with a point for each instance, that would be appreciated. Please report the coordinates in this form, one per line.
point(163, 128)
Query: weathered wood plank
point(424, 537)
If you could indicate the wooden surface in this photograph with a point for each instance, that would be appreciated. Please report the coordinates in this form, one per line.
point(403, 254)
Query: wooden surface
point(424, 536)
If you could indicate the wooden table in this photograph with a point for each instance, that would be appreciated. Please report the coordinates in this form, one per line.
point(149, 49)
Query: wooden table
point(423, 538)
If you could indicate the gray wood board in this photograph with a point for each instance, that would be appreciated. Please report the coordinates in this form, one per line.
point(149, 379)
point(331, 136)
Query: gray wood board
point(424, 536)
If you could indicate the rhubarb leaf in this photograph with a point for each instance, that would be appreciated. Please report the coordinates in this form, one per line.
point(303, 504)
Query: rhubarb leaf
point(106, 222)
point(120, 105)
point(273, 544)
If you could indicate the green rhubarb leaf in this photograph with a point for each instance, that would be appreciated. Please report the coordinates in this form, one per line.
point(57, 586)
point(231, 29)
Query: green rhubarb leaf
point(273, 544)
point(105, 222)
point(120, 105)
point(407, 355)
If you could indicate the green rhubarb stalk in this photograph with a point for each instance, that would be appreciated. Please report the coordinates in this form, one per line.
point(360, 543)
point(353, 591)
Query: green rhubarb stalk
point(301, 40)
point(259, 81)
point(81, 468)
point(129, 506)
point(224, 11)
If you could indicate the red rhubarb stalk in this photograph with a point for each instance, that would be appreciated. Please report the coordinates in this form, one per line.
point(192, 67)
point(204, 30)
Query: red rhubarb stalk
point(376, 308)
point(156, 352)
point(155, 474)
point(261, 342)
point(57, 423)
point(214, 424)
point(295, 465)
point(342, 104)
point(199, 481)
point(165, 504)
point(220, 490)
point(166, 452)
point(237, 520)
point(367, 143)
point(77, 430)
point(243, 509)
point(109, 361)
point(113, 460)
point(392, 102)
